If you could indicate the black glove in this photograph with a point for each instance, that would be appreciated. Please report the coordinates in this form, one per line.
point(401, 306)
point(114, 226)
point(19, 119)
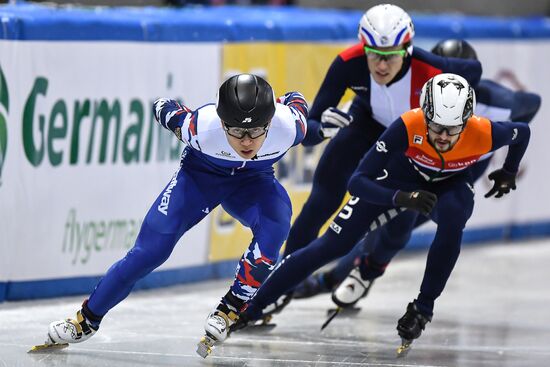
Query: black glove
point(504, 182)
point(420, 200)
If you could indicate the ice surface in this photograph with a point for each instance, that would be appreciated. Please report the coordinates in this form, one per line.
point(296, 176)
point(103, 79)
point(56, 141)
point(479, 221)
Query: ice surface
point(495, 311)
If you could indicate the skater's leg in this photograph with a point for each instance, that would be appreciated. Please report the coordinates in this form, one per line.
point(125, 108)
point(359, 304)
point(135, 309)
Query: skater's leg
point(337, 163)
point(150, 250)
point(326, 281)
point(384, 243)
point(335, 242)
point(347, 263)
point(265, 209)
point(454, 208)
point(264, 206)
point(161, 229)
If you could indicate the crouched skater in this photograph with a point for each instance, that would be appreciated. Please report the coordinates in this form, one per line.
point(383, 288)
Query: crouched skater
point(231, 147)
point(418, 166)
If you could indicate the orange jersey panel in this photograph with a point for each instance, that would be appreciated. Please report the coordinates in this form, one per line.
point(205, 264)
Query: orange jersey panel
point(475, 141)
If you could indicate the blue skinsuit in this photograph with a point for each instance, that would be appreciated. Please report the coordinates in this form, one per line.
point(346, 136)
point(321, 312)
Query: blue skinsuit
point(212, 173)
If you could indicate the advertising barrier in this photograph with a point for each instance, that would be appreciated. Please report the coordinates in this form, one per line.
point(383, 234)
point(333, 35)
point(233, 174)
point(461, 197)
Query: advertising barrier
point(302, 67)
point(81, 157)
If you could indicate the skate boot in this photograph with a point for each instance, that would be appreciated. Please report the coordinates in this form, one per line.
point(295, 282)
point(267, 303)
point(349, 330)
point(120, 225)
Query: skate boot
point(410, 326)
point(77, 330)
point(277, 306)
point(312, 286)
point(346, 295)
point(245, 319)
point(216, 328)
point(351, 290)
point(254, 319)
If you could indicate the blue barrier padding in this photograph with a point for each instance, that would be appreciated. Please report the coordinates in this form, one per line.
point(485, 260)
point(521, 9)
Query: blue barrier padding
point(24, 290)
point(514, 232)
point(218, 270)
point(459, 26)
point(534, 229)
point(13, 291)
point(3, 286)
point(35, 289)
point(27, 21)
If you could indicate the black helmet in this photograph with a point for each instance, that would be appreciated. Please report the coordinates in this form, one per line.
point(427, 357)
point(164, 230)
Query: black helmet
point(245, 100)
point(455, 48)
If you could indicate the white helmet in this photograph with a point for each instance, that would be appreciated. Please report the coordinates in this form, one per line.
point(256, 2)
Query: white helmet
point(385, 25)
point(447, 99)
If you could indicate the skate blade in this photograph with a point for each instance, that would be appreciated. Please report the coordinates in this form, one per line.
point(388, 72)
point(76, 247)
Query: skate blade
point(404, 348)
point(258, 328)
point(349, 311)
point(205, 346)
point(331, 317)
point(47, 347)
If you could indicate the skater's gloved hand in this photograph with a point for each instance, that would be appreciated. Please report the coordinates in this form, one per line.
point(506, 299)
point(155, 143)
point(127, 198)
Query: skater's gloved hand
point(504, 182)
point(420, 200)
point(164, 110)
point(332, 120)
point(289, 97)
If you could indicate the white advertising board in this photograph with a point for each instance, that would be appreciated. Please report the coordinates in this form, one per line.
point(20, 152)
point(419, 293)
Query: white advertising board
point(518, 65)
point(83, 159)
point(522, 65)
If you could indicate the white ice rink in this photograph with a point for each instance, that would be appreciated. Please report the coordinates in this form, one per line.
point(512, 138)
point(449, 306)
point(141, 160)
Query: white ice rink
point(495, 311)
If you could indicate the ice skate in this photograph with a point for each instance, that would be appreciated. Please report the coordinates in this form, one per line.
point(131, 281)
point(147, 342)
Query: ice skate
point(216, 329)
point(409, 328)
point(404, 348)
point(48, 346)
point(351, 290)
point(348, 293)
point(348, 311)
point(331, 316)
point(64, 332)
point(276, 307)
point(205, 346)
point(260, 326)
point(262, 322)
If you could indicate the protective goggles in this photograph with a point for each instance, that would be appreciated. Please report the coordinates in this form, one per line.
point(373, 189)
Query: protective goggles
point(388, 56)
point(241, 132)
point(451, 130)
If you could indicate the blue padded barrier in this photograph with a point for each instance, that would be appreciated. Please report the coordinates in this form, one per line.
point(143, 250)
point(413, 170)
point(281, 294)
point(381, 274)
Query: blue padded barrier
point(28, 22)
point(234, 23)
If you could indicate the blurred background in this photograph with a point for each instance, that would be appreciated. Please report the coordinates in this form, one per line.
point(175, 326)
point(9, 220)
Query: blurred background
point(81, 157)
point(473, 7)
